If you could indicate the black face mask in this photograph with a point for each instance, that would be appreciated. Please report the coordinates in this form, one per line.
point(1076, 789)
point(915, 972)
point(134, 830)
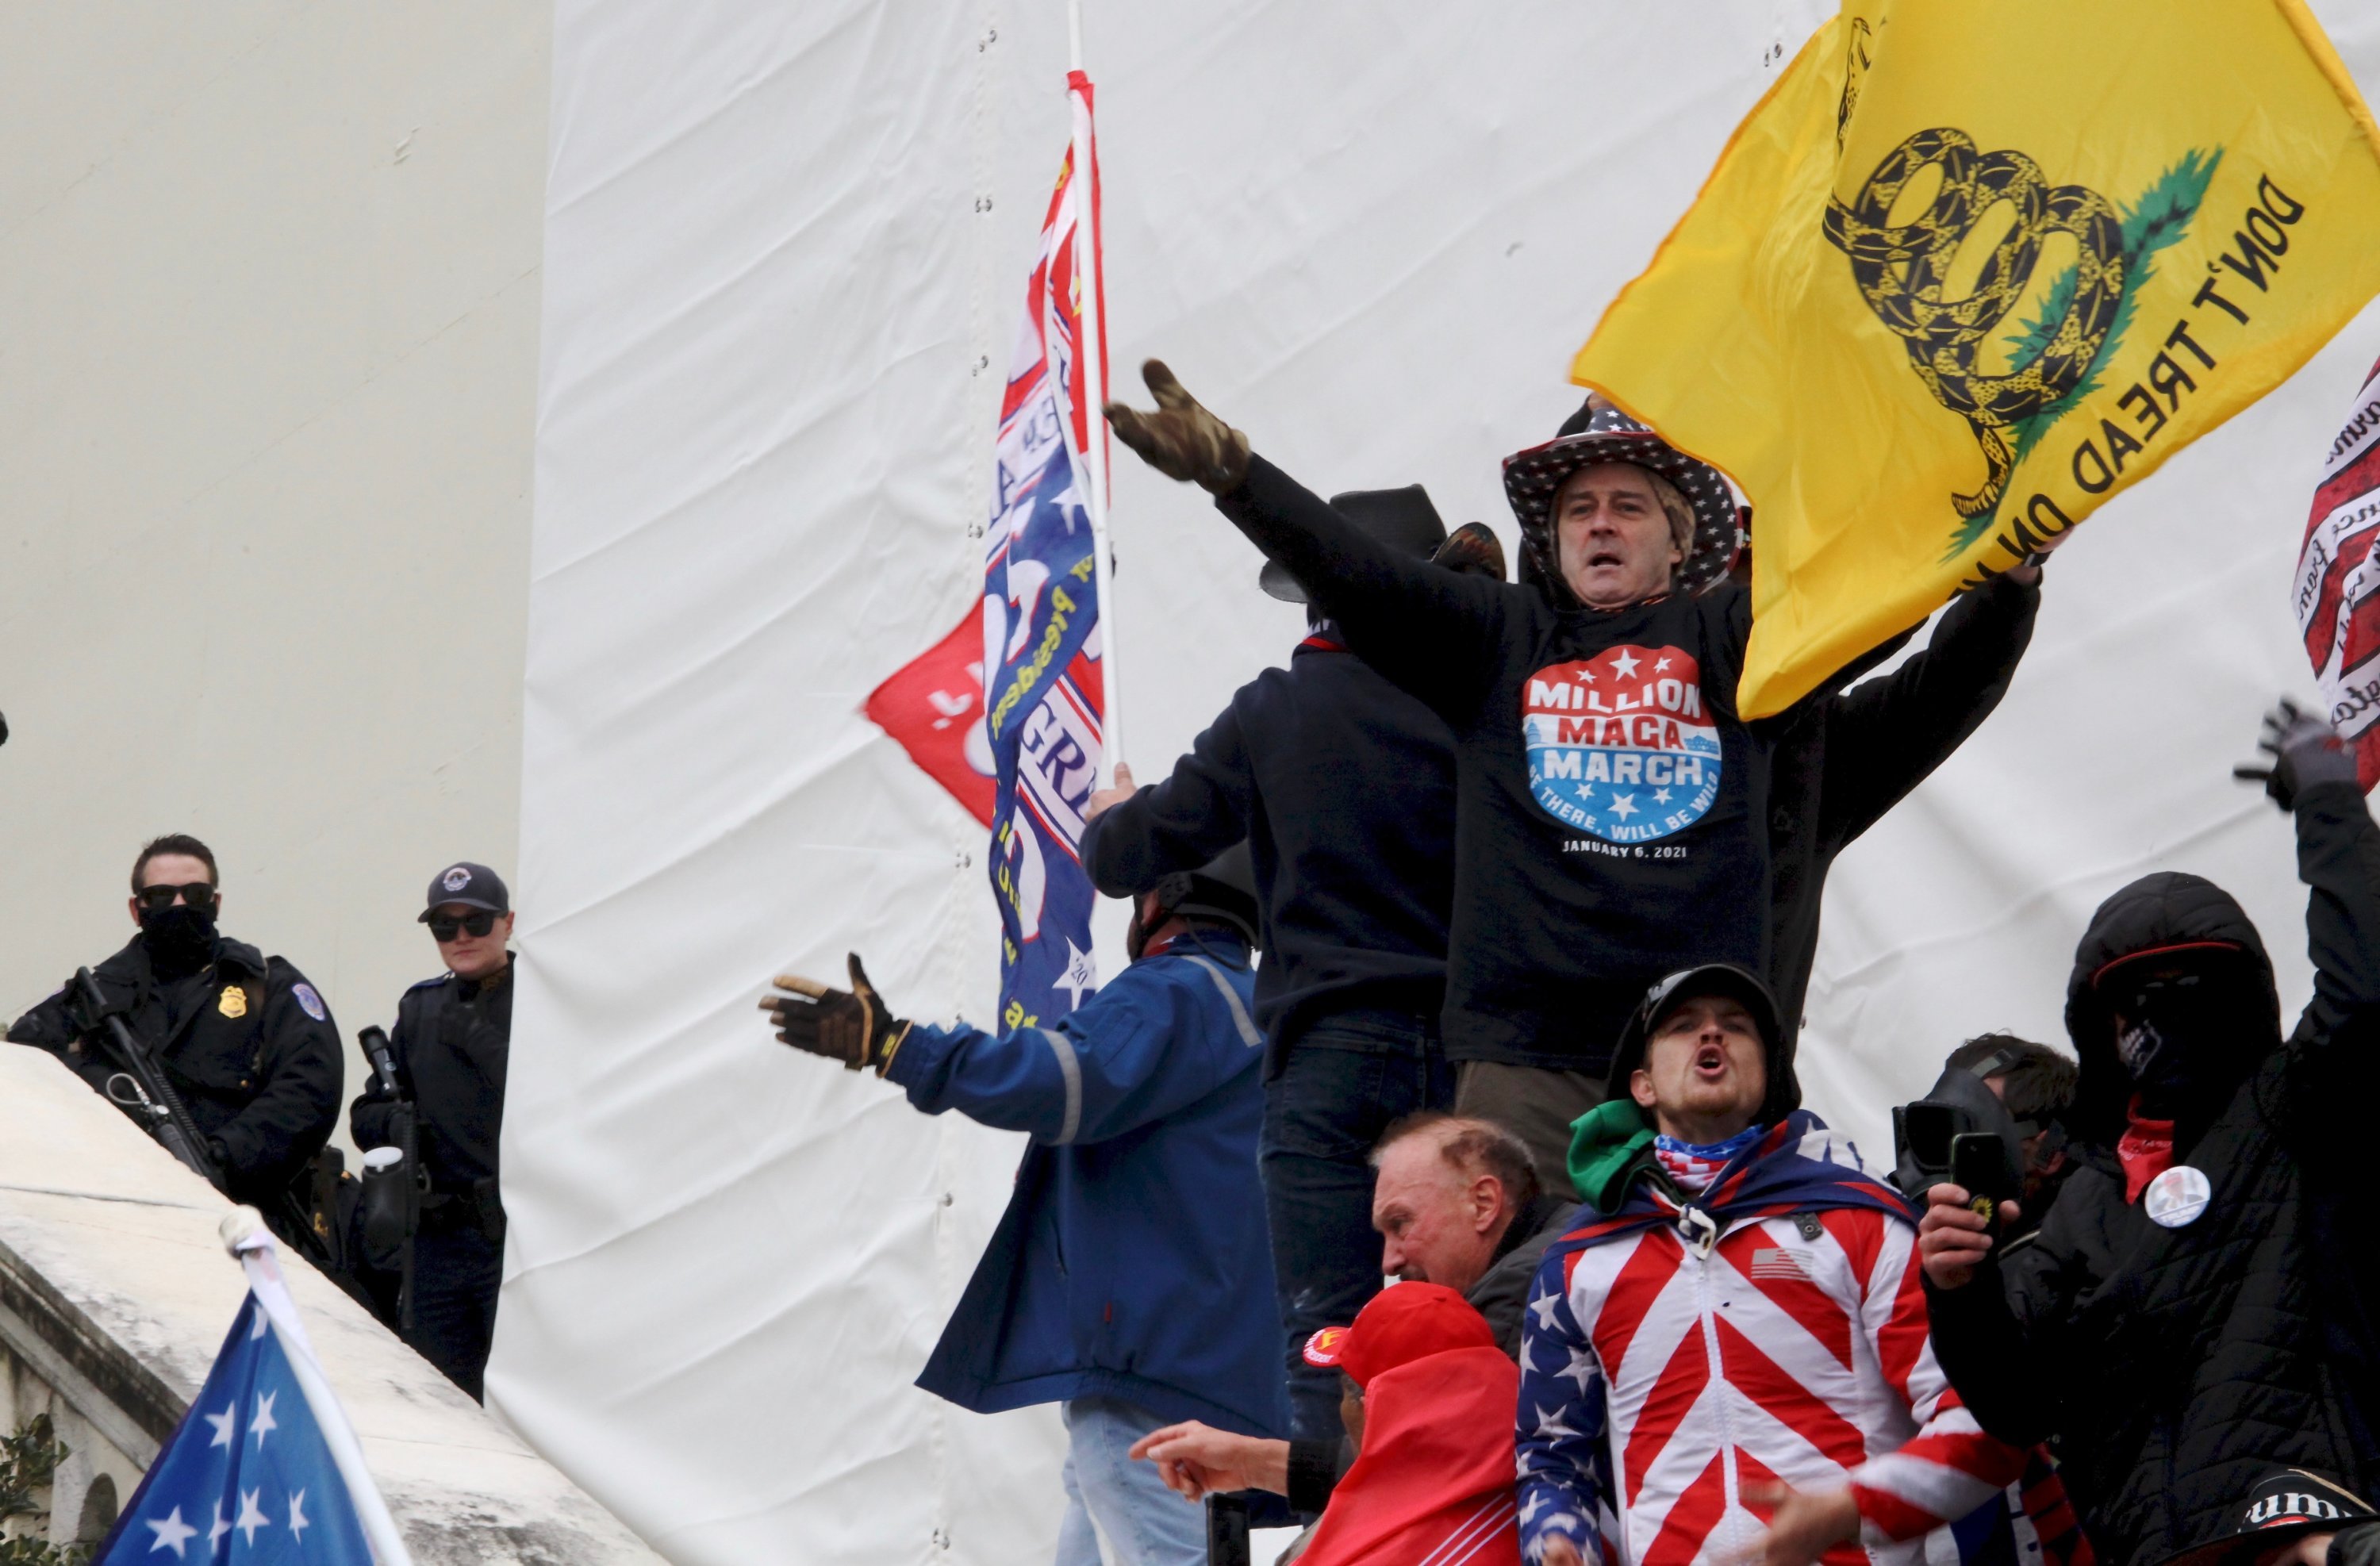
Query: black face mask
point(2173, 1034)
point(179, 939)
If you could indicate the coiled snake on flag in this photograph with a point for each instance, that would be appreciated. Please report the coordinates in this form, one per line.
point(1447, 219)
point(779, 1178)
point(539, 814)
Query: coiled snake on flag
point(1901, 269)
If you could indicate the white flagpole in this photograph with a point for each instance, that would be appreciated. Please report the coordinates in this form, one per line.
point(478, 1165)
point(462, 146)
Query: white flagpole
point(1091, 364)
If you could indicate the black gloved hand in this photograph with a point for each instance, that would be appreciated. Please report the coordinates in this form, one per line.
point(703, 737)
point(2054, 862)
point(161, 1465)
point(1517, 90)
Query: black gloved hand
point(1181, 439)
point(2305, 751)
point(851, 1025)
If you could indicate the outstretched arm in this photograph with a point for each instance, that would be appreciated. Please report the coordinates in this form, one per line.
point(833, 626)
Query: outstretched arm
point(1431, 631)
point(1885, 737)
point(1140, 1049)
point(1175, 825)
point(1950, 1468)
point(2338, 858)
point(2313, 775)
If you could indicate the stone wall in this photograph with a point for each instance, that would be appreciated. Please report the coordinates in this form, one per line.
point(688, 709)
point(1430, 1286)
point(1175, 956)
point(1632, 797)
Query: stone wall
point(116, 1294)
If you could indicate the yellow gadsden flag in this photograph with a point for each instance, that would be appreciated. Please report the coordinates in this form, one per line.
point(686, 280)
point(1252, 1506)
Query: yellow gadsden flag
point(1969, 270)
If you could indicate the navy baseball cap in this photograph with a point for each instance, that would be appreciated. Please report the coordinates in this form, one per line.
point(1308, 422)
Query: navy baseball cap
point(474, 886)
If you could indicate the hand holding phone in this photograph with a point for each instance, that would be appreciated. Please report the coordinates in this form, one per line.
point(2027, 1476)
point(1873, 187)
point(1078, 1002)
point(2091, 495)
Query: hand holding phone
point(1980, 1165)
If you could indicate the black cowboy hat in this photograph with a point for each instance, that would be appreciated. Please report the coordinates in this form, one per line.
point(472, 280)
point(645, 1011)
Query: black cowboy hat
point(1403, 519)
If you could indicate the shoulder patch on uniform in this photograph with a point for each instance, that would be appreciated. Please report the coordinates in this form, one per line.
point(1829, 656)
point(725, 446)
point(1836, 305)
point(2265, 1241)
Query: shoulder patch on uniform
point(308, 1001)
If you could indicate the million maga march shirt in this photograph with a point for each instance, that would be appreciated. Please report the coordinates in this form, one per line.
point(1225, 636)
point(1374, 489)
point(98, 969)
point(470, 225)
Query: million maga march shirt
point(1611, 807)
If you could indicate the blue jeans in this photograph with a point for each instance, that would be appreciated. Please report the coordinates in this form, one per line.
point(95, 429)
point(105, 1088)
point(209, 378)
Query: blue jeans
point(1108, 1496)
point(1347, 1078)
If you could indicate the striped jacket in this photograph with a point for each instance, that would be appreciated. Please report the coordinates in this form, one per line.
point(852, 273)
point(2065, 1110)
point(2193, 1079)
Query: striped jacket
point(1668, 1369)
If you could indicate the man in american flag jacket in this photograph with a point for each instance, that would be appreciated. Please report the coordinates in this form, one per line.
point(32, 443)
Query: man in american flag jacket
point(1728, 1360)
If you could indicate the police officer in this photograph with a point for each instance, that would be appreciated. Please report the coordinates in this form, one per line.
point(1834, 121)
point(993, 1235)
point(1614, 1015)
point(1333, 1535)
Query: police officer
point(242, 1037)
point(452, 1036)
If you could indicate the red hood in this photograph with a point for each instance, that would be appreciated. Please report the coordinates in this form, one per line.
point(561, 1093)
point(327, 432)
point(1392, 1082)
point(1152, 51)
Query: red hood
point(1434, 1481)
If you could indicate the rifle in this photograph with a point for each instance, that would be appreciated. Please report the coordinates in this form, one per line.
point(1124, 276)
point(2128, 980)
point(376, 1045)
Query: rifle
point(393, 1185)
point(153, 1102)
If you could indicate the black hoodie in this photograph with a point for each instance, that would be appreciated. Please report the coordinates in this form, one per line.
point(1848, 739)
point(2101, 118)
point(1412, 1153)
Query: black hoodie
point(2177, 1366)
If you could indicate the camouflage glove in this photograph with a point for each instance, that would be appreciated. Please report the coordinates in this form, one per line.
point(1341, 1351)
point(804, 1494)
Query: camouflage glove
point(851, 1025)
point(1181, 439)
point(2305, 751)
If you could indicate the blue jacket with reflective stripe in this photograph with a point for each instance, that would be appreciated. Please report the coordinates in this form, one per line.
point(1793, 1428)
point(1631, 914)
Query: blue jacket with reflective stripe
point(1134, 1260)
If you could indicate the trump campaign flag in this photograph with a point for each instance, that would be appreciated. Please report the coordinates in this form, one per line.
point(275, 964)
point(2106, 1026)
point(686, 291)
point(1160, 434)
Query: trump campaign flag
point(933, 706)
point(1968, 271)
point(2337, 588)
point(1044, 573)
point(263, 1470)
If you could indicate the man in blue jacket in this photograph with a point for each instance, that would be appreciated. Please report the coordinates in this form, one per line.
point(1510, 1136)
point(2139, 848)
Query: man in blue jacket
point(1130, 1279)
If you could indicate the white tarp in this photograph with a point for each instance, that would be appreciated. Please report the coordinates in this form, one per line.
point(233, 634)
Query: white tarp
point(784, 252)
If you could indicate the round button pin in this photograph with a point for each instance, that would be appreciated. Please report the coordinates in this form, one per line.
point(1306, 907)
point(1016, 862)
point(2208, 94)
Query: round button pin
point(2177, 1196)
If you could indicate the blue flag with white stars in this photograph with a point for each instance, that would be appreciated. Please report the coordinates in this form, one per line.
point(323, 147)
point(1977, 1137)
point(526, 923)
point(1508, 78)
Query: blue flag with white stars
point(248, 1477)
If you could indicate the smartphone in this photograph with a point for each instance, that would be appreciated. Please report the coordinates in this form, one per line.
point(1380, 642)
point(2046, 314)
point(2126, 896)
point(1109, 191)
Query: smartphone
point(1980, 1163)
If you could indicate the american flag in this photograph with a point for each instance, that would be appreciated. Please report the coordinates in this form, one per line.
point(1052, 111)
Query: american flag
point(263, 1470)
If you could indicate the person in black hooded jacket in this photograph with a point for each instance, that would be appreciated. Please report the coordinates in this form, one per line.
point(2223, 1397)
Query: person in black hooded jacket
point(2197, 1306)
point(1343, 787)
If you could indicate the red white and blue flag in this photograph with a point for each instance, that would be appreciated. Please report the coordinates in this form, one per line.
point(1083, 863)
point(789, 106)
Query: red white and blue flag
point(1009, 710)
point(1043, 694)
point(2337, 586)
point(265, 1469)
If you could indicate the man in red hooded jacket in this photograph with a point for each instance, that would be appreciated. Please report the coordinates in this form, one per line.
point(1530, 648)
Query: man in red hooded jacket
point(1431, 1416)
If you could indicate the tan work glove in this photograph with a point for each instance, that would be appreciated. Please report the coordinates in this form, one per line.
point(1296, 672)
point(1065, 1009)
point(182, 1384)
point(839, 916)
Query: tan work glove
point(851, 1026)
point(1181, 439)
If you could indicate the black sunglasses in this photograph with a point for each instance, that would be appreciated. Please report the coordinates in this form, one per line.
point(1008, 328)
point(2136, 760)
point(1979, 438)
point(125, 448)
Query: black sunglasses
point(197, 893)
point(444, 929)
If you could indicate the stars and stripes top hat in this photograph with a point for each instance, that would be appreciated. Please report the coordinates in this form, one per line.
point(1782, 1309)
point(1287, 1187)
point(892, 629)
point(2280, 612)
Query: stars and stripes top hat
point(1600, 432)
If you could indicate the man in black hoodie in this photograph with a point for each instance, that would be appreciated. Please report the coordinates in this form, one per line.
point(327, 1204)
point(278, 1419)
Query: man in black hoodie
point(1343, 786)
point(2198, 1305)
point(1616, 817)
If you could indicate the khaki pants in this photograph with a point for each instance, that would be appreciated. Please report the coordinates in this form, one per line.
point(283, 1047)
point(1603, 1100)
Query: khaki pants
point(1534, 1104)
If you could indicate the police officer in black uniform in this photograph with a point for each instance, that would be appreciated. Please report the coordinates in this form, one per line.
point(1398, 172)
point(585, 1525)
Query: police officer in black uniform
point(244, 1040)
point(449, 1046)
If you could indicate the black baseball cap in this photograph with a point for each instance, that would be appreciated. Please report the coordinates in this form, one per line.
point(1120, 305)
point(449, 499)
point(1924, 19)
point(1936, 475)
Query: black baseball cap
point(1692, 984)
point(474, 886)
point(2283, 1504)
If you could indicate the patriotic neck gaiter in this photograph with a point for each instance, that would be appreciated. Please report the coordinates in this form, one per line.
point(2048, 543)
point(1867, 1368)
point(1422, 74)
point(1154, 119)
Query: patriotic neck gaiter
point(1694, 1166)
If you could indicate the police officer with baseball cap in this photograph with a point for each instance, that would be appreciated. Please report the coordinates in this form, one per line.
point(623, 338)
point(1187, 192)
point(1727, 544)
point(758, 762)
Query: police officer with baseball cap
point(448, 1050)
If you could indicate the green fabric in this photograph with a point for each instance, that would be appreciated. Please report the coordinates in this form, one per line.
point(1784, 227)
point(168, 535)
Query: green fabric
point(1606, 1144)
